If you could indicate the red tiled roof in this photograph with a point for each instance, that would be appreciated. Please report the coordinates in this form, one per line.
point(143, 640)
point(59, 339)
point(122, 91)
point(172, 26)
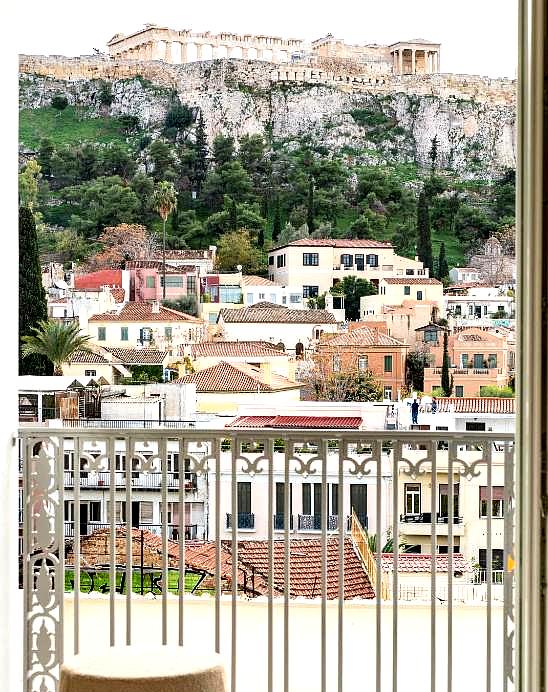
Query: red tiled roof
point(142, 312)
point(189, 254)
point(477, 404)
point(94, 280)
point(157, 264)
point(278, 315)
point(138, 356)
point(266, 305)
point(420, 562)
point(252, 280)
point(310, 422)
point(87, 357)
point(412, 280)
point(118, 294)
point(235, 349)
point(335, 242)
point(364, 336)
point(226, 377)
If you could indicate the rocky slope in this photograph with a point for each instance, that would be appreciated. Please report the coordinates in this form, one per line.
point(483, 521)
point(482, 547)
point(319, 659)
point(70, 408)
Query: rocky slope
point(394, 119)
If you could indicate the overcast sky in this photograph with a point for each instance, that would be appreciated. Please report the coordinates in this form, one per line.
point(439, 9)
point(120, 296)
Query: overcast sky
point(477, 36)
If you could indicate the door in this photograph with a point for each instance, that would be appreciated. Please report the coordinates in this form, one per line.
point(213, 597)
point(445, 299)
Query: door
point(135, 516)
point(358, 502)
point(84, 518)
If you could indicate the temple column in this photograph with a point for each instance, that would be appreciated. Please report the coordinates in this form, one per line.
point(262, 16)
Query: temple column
point(167, 51)
point(260, 54)
point(184, 54)
point(244, 54)
point(198, 51)
point(437, 56)
point(413, 61)
point(400, 60)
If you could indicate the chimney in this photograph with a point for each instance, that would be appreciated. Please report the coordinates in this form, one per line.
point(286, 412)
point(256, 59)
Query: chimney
point(155, 307)
point(266, 372)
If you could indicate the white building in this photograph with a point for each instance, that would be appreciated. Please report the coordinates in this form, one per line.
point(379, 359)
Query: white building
point(479, 302)
point(461, 275)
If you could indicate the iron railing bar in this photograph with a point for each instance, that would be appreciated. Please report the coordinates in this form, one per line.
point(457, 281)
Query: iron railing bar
point(165, 577)
point(26, 444)
point(323, 607)
point(76, 552)
point(395, 549)
point(489, 566)
point(508, 574)
point(378, 622)
point(433, 566)
point(269, 450)
point(182, 560)
point(60, 582)
point(112, 534)
point(234, 455)
point(450, 513)
point(217, 547)
point(128, 452)
point(340, 610)
point(288, 448)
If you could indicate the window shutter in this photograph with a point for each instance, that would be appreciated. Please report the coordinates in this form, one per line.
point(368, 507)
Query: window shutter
point(306, 498)
point(146, 512)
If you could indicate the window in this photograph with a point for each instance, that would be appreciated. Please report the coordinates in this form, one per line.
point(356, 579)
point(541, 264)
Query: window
point(336, 363)
point(280, 500)
point(407, 290)
point(310, 291)
point(250, 298)
point(101, 333)
point(444, 549)
point(500, 308)
point(280, 261)
point(497, 559)
point(346, 261)
point(458, 310)
point(388, 364)
point(464, 360)
point(459, 390)
point(230, 294)
point(151, 282)
point(173, 281)
point(470, 309)
point(492, 360)
point(485, 309)
point(295, 298)
point(261, 296)
point(244, 497)
point(90, 373)
point(497, 501)
point(359, 260)
point(191, 284)
point(419, 295)
point(310, 259)
point(444, 501)
point(284, 300)
point(409, 272)
point(145, 334)
point(168, 333)
point(412, 498)
point(473, 426)
point(413, 548)
point(388, 393)
point(123, 333)
point(431, 336)
point(358, 501)
point(212, 317)
point(372, 260)
point(271, 260)
point(363, 362)
point(273, 298)
point(478, 360)
point(307, 500)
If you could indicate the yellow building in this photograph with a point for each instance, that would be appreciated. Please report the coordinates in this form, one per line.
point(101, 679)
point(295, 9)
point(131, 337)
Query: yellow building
point(402, 291)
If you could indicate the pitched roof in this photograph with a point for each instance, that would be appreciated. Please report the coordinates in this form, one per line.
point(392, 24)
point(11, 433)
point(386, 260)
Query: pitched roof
point(158, 264)
point(364, 336)
point(421, 562)
point(227, 377)
point(87, 357)
point(235, 349)
point(118, 294)
point(412, 280)
point(252, 280)
point(142, 312)
point(189, 254)
point(266, 305)
point(94, 280)
point(138, 356)
point(334, 242)
point(310, 422)
point(278, 314)
point(477, 404)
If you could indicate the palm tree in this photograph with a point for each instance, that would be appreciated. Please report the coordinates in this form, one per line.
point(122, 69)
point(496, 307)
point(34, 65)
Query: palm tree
point(55, 341)
point(164, 201)
point(388, 547)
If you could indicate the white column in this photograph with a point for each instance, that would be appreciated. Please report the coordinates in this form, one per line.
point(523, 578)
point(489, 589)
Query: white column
point(167, 52)
point(413, 61)
point(198, 51)
point(400, 53)
point(184, 54)
point(40, 408)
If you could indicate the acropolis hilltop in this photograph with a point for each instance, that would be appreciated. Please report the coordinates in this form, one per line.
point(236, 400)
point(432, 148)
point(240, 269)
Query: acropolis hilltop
point(416, 56)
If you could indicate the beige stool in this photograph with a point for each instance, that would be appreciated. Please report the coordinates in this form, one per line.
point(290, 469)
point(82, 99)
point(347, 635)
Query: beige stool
point(139, 669)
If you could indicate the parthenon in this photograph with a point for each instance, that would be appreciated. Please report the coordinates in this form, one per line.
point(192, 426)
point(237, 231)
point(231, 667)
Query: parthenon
point(416, 56)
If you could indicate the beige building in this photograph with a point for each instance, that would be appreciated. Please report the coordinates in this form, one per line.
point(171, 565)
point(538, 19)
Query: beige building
point(404, 291)
point(109, 365)
point(209, 353)
point(400, 321)
point(319, 264)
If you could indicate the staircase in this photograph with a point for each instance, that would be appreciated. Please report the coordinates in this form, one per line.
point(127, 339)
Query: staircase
point(361, 544)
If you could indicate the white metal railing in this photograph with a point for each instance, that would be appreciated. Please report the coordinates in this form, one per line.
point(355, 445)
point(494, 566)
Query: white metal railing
point(383, 460)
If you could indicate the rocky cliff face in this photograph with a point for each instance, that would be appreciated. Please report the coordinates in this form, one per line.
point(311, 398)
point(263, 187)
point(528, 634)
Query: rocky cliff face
point(391, 119)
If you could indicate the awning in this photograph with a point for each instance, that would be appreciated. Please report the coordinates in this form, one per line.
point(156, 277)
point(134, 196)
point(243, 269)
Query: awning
point(498, 492)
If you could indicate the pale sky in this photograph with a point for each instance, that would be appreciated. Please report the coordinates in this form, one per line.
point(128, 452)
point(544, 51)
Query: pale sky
point(477, 36)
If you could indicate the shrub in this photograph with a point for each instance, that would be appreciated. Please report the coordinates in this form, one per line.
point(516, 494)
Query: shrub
point(59, 102)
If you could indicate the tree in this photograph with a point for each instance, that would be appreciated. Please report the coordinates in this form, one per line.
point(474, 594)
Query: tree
point(178, 118)
point(345, 386)
point(116, 160)
point(55, 341)
point(415, 363)
point(32, 297)
point(236, 248)
point(443, 267)
point(71, 246)
point(310, 205)
point(162, 159)
point(433, 153)
point(59, 102)
point(368, 225)
point(277, 220)
point(45, 153)
point(187, 304)
point(446, 383)
point(424, 240)
point(129, 124)
point(235, 216)
point(121, 243)
point(164, 201)
point(28, 184)
point(223, 149)
point(353, 289)
point(228, 179)
point(200, 161)
point(106, 96)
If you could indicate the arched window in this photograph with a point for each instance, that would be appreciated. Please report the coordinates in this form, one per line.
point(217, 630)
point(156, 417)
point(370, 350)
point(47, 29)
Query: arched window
point(299, 349)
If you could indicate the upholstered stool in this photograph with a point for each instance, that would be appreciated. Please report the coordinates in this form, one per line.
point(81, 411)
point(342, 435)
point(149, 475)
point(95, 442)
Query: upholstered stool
point(138, 669)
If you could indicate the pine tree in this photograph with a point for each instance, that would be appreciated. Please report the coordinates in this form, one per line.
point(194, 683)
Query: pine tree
point(260, 238)
point(446, 383)
point(233, 216)
point(310, 206)
point(200, 165)
point(424, 239)
point(32, 297)
point(443, 267)
point(277, 220)
point(433, 153)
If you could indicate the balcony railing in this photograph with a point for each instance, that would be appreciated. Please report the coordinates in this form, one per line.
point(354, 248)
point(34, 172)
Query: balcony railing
point(426, 518)
point(279, 522)
point(246, 520)
point(139, 481)
point(191, 531)
point(337, 571)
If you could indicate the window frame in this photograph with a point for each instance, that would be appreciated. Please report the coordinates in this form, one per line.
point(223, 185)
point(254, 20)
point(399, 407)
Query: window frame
point(388, 359)
point(311, 259)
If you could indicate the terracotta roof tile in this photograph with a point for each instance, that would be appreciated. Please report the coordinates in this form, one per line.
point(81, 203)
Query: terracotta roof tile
point(310, 422)
point(94, 280)
point(235, 349)
point(118, 294)
point(142, 312)
point(138, 356)
point(266, 305)
point(227, 377)
point(335, 242)
point(479, 404)
point(420, 562)
point(278, 314)
point(87, 357)
point(364, 336)
point(157, 264)
point(412, 280)
point(252, 280)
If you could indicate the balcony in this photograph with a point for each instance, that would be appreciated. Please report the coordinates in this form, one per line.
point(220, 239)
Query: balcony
point(305, 581)
point(101, 480)
point(279, 522)
point(421, 525)
point(191, 531)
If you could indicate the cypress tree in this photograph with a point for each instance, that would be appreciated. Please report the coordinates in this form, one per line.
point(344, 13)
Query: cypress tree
point(32, 297)
point(443, 267)
point(310, 206)
point(424, 239)
point(260, 238)
point(200, 165)
point(233, 216)
point(277, 220)
point(446, 384)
